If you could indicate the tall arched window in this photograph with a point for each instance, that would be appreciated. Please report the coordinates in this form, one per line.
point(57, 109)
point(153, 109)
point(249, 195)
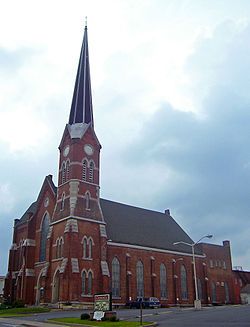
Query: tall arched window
point(90, 248)
point(84, 277)
point(139, 278)
point(85, 248)
point(84, 170)
point(115, 277)
point(90, 282)
point(63, 172)
point(60, 248)
point(199, 286)
point(44, 233)
point(91, 171)
point(227, 296)
point(213, 286)
point(184, 291)
point(163, 281)
point(67, 170)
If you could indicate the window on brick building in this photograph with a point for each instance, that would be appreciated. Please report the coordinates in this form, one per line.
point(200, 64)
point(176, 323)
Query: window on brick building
point(115, 277)
point(84, 170)
point(227, 296)
point(199, 286)
point(140, 278)
point(90, 247)
point(63, 172)
point(214, 297)
point(87, 195)
point(60, 248)
point(90, 282)
point(163, 281)
point(62, 202)
point(211, 263)
point(184, 291)
point(67, 170)
point(43, 239)
point(224, 265)
point(91, 171)
point(85, 245)
point(84, 278)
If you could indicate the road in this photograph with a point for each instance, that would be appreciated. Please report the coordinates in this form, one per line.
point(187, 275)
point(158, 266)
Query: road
point(224, 316)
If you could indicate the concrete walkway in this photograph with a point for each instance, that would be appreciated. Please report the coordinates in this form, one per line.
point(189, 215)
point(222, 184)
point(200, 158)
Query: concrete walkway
point(19, 322)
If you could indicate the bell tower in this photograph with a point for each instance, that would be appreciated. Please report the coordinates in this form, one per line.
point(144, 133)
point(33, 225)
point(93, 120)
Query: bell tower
point(78, 180)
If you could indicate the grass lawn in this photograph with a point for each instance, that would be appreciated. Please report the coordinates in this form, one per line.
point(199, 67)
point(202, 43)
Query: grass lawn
point(99, 323)
point(21, 311)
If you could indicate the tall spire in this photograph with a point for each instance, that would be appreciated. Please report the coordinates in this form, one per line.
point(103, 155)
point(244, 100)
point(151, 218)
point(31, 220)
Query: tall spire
point(81, 107)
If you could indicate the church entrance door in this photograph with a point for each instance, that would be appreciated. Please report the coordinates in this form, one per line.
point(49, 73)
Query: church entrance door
point(56, 287)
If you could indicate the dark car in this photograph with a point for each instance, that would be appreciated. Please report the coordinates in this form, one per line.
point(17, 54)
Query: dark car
point(145, 302)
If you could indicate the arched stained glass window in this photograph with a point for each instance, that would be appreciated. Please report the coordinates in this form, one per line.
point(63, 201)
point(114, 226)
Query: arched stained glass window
point(163, 281)
point(62, 202)
point(44, 233)
point(91, 171)
point(140, 278)
point(184, 291)
point(115, 277)
point(87, 200)
point(90, 282)
point(84, 277)
point(84, 170)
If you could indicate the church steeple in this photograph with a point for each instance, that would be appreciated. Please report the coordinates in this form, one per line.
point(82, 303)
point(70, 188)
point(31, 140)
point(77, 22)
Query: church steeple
point(81, 107)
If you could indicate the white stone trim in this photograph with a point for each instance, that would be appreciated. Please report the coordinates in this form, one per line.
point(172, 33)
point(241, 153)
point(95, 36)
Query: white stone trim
point(78, 218)
point(29, 242)
point(154, 249)
point(29, 272)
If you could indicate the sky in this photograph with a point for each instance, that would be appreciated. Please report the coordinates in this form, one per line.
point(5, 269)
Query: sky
point(170, 85)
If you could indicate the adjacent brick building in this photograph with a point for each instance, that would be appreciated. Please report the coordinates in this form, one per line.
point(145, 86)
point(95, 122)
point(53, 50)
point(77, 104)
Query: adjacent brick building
point(70, 244)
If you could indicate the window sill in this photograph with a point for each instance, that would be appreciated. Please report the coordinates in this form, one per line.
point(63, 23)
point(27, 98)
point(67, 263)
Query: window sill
point(87, 259)
point(86, 295)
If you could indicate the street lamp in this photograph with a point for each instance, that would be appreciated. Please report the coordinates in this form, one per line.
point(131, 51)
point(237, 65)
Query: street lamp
point(176, 298)
point(197, 301)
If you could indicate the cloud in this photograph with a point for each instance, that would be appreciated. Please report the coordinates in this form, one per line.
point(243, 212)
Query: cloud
point(198, 164)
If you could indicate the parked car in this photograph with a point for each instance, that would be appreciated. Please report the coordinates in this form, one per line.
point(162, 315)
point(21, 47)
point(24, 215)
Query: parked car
point(145, 302)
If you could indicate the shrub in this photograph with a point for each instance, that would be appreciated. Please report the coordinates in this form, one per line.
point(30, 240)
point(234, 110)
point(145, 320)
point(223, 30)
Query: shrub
point(18, 304)
point(85, 316)
point(113, 318)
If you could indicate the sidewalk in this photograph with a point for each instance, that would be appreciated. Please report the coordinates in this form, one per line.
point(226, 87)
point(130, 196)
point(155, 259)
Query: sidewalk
point(13, 321)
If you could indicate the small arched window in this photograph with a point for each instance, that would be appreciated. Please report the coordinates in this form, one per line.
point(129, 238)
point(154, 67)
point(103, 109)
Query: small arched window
point(91, 172)
point(90, 282)
point(163, 281)
point(184, 291)
point(90, 248)
point(60, 248)
point(84, 277)
point(140, 278)
point(84, 170)
point(85, 248)
point(115, 277)
point(43, 239)
point(63, 172)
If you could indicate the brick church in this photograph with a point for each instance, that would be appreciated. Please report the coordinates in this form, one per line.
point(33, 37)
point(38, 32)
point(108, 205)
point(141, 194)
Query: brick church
point(71, 244)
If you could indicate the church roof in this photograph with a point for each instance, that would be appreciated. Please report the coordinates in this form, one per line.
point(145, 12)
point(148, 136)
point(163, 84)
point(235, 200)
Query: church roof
point(31, 210)
point(81, 107)
point(137, 226)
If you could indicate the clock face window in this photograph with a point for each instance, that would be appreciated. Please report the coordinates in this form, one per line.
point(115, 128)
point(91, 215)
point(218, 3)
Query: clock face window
point(88, 149)
point(66, 151)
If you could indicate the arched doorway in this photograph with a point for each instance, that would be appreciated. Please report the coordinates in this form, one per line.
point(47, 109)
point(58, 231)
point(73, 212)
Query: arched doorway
point(56, 287)
point(38, 287)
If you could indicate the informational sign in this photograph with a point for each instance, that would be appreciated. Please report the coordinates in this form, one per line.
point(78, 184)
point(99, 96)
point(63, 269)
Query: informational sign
point(98, 315)
point(102, 302)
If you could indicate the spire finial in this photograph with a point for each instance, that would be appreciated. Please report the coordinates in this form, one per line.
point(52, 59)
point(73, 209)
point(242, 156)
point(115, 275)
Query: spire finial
point(86, 21)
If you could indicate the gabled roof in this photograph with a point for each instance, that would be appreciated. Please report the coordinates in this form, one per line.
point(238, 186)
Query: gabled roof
point(81, 107)
point(31, 210)
point(136, 226)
